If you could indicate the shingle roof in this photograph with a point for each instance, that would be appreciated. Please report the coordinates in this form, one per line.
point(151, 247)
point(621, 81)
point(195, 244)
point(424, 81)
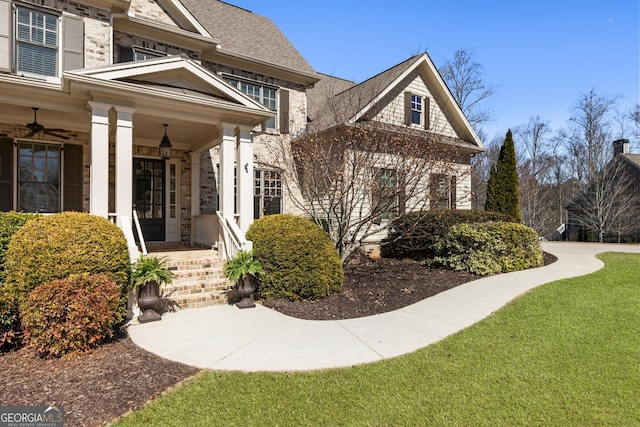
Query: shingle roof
point(340, 106)
point(633, 158)
point(247, 34)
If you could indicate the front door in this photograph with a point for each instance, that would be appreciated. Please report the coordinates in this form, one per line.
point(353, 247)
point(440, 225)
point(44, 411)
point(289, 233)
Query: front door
point(149, 197)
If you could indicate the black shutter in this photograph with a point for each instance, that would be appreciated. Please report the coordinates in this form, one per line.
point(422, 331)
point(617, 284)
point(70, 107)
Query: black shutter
point(427, 105)
point(407, 108)
point(72, 175)
point(454, 195)
point(6, 174)
point(284, 111)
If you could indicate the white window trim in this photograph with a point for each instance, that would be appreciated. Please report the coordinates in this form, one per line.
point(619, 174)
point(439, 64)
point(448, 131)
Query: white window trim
point(260, 128)
point(14, 40)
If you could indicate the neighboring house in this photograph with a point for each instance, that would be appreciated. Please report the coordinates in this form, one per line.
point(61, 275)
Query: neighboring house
point(608, 208)
point(89, 89)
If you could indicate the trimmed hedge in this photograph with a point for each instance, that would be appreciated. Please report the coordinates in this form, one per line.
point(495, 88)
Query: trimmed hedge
point(10, 223)
point(70, 316)
point(413, 235)
point(298, 258)
point(65, 244)
point(489, 248)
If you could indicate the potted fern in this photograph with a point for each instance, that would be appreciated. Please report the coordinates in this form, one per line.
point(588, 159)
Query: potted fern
point(244, 270)
point(148, 274)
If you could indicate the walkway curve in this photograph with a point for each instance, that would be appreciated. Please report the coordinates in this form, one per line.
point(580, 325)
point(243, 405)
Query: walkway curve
point(227, 338)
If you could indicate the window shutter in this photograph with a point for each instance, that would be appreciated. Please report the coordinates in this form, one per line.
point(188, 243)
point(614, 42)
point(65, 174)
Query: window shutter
point(407, 108)
point(6, 174)
point(284, 111)
point(427, 113)
point(454, 195)
point(72, 175)
point(5, 35)
point(72, 43)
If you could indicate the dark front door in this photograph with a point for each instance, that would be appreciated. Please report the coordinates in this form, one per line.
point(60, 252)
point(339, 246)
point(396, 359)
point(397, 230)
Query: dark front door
point(148, 197)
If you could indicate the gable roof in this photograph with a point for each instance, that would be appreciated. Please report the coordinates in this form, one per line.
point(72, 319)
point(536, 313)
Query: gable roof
point(634, 159)
point(246, 34)
point(176, 77)
point(351, 104)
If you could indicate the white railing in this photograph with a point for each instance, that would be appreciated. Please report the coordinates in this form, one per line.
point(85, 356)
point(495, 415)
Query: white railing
point(124, 222)
point(136, 221)
point(233, 238)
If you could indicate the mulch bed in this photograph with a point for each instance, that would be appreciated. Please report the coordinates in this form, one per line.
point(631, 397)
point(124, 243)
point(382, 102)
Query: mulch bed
point(120, 377)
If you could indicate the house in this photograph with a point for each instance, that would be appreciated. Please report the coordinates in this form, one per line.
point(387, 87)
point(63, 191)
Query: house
point(94, 92)
point(607, 208)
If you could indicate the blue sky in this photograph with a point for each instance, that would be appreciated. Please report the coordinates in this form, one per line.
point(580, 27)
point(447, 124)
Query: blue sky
point(541, 56)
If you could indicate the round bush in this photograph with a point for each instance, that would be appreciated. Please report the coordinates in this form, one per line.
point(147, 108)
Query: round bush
point(70, 316)
point(489, 248)
point(58, 246)
point(10, 222)
point(413, 235)
point(298, 258)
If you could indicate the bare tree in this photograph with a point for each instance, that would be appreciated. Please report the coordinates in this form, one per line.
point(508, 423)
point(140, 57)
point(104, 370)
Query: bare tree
point(590, 134)
point(609, 203)
point(463, 75)
point(534, 170)
point(354, 177)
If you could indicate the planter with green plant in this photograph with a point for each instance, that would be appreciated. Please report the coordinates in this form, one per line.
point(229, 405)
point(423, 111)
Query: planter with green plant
point(244, 270)
point(148, 274)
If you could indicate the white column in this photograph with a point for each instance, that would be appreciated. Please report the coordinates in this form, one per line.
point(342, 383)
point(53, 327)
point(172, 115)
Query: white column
point(124, 161)
point(245, 179)
point(227, 158)
point(99, 177)
point(195, 192)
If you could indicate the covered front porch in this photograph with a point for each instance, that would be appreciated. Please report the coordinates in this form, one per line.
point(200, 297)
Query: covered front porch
point(116, 117)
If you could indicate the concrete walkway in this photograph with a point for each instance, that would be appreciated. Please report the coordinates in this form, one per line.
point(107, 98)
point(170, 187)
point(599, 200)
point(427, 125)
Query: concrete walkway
point(227, 338)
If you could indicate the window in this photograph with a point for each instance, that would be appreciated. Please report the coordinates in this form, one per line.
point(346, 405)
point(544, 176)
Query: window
point(36, 42)
point(416, 109)
point(443, 191)
point(267, 194)
point(385, 194)
point(266, 96)
point(39, 177)
point(137, 53)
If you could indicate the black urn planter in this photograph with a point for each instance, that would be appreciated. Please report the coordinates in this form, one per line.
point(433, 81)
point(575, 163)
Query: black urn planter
point(148, 298)
point(245, 288)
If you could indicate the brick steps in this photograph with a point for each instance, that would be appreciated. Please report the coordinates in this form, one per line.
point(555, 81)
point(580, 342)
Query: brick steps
point(198, 282)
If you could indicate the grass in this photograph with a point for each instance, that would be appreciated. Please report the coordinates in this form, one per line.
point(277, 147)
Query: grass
point(566, 353)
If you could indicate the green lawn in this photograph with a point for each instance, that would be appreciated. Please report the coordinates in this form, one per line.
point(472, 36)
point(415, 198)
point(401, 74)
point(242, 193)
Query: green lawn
point(565, 354)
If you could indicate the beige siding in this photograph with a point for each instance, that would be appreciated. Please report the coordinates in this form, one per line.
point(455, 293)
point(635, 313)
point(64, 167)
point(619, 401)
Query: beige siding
point(391, 107)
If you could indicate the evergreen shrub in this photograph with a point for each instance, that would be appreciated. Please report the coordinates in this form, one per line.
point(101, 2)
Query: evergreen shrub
point(413, 235)
point(489, 248)
point(58, 246)
point(70, 316)
point(299, 260)
point(10, 222)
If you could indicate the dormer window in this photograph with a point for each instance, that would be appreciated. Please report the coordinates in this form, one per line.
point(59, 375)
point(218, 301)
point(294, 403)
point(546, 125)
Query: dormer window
point(36, 42)
point(137, 53)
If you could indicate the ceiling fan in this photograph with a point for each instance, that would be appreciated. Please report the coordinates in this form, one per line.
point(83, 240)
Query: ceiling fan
point(36, 128)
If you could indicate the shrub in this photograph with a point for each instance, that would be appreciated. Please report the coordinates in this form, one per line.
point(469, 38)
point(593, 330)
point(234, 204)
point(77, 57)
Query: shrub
point(10, 222)
point(61, 245)
point(489, 248)
point(298, 258)
point(70, 316)
point(9, 322)
point(413, 235)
